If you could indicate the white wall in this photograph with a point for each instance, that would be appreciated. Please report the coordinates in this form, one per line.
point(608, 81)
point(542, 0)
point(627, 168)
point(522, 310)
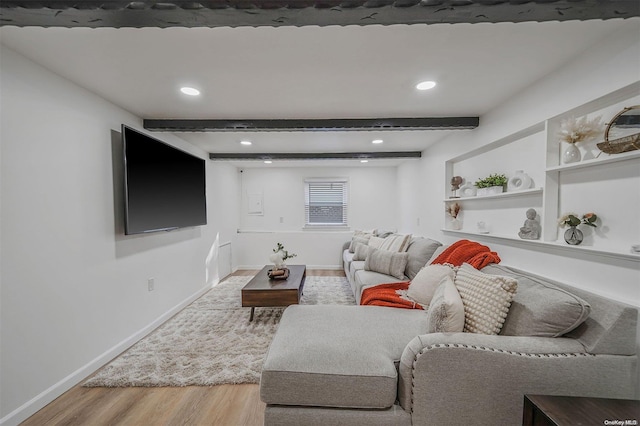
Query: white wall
point(372, 204)
point(608, 66)
point(74, 287)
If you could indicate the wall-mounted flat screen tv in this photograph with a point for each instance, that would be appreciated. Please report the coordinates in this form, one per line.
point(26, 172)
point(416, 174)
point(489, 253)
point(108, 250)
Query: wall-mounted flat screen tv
point(165, 187)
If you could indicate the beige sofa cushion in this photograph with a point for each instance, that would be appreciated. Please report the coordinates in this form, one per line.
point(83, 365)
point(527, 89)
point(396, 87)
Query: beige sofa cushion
point(486, 299)
point(338, 356)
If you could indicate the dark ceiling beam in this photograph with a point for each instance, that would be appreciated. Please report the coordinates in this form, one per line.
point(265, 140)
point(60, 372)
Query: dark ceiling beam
point(334, 124)
point(275, 13)
point(315, 156)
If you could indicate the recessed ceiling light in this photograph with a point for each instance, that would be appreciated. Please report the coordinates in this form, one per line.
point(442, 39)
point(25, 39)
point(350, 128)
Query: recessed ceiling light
point(245, 142)
point(191, 91)
point(377, 141)
point(426, 85)
point(364, 161)
point(268, 161)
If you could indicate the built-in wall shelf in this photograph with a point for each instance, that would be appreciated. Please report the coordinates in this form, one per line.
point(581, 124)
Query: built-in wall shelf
point(612, 253)
point(521, 193)
point(603, 159)
point(604, 184)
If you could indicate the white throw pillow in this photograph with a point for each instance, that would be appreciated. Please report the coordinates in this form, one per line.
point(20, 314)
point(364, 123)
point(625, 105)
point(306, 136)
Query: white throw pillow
point(446, 312)
point(486, 299)
point(426, 282)
point(397, 243)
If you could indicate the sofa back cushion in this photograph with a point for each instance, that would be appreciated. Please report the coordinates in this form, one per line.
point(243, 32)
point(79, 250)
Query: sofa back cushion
point(420, 251)
point(607, 327)
point(542, 309)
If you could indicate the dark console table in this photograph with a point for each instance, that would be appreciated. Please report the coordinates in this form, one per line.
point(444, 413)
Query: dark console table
point(546, 410)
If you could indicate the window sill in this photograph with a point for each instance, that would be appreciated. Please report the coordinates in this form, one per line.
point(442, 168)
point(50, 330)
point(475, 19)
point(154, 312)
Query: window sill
point(327, 228)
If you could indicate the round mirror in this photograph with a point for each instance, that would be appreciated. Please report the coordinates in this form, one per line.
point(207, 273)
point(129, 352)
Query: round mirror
point(623, 132)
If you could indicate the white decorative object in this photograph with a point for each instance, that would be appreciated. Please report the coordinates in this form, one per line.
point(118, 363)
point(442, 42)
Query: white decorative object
point(482, 228)
point(531, 229)
point(468, 190)
point(456, 224)
point(492, 190)
point(519, 181)
point(571, 154)
point(574, 130)
point(277, 259)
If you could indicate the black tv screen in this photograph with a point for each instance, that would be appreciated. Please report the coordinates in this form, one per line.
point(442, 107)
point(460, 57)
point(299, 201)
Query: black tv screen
point(164, 186)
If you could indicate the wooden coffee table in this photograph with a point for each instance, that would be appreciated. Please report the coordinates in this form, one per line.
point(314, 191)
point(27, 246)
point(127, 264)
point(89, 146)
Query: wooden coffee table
point(264, 292)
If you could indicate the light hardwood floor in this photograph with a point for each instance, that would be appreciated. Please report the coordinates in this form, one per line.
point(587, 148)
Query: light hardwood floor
point(225, 405)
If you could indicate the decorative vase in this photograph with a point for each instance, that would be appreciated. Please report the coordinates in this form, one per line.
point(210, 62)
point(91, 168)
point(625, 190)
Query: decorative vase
point(468, 190)
point(573, 236)
point(519, 181)
point(456, 224)
point(571, 154)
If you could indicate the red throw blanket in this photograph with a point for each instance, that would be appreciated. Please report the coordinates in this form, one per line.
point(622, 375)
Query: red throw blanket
point(386, 295)
point(465, 251)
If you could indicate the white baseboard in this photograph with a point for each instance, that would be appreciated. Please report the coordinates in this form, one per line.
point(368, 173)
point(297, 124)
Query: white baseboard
point(30, 407)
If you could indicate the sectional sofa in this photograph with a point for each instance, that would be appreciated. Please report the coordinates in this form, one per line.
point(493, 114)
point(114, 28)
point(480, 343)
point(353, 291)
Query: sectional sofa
point(373, 365)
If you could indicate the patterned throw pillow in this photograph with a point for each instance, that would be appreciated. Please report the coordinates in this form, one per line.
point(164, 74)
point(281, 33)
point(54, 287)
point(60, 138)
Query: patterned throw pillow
point(387, 262)
point(397, 243)
point(486, 299)
point(446, 312)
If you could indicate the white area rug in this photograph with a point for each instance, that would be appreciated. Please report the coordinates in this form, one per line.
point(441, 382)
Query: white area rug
point(211, 341)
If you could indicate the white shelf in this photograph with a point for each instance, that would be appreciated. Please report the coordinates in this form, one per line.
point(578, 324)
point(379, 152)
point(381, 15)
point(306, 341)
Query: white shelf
point(501, 195)
point(613, 253)
point(608, 159)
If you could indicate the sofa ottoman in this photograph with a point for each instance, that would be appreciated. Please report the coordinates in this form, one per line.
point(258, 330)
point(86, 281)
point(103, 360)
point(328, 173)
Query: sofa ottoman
point(338, 356)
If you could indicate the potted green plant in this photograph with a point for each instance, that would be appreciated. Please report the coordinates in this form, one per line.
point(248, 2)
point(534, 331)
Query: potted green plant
point(492, 184)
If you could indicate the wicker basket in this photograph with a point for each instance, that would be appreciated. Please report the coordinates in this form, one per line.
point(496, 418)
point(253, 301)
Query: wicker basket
point(620, 145)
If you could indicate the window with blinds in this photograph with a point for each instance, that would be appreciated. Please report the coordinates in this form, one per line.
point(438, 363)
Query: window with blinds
point(325, 202)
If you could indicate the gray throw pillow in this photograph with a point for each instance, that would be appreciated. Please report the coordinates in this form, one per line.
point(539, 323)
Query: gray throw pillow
point(387, 262)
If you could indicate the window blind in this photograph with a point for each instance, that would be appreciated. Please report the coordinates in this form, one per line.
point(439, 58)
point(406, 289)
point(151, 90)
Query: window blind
point(326, 202)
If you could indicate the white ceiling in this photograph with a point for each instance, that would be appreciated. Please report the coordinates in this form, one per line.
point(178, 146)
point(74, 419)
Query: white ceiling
point(310, 72)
